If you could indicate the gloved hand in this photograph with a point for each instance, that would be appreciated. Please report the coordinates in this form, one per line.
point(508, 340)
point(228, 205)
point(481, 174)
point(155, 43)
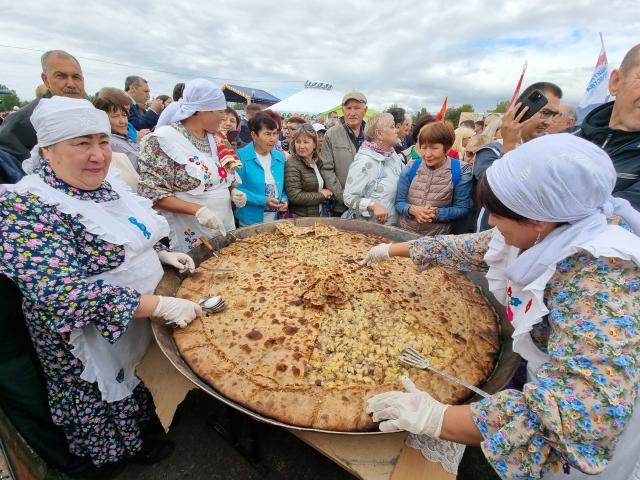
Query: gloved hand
point(177, 311)
point(181, 261)
point(377, 254)
point(238, 197)
point(414, 411)
point(207, 218)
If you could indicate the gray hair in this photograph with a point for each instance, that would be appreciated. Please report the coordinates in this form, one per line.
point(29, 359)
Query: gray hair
point(133, 80)
point(377, 122)
point(44, 59)
point(569, 111)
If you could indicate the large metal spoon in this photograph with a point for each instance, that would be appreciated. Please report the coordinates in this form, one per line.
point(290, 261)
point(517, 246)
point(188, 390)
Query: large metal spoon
point(212, 304)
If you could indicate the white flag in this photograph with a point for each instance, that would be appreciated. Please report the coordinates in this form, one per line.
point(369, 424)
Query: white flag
point(598, 88)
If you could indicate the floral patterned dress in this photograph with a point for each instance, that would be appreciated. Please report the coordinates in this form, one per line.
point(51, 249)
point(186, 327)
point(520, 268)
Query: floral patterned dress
point(161, 177)
point(175, 163)
point(584, 398)
point(49, 255)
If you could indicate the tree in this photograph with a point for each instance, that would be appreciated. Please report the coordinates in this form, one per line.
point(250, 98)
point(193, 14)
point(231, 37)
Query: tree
point(502, 106)
point(9, 100)
point(423, 111)
point(453, 114)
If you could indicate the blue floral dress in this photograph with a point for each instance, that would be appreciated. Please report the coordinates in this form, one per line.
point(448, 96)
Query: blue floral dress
point(49, 255)
point(585, 396)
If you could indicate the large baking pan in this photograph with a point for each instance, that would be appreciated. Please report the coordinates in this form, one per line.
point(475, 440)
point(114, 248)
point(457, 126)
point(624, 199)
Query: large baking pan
point(508, 361)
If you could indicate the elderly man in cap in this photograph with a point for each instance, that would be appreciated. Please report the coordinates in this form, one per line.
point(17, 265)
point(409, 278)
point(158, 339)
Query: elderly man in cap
point(340, 145)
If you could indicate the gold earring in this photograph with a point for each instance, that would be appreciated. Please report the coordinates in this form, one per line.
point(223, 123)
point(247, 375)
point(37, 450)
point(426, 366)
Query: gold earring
point(537, 240)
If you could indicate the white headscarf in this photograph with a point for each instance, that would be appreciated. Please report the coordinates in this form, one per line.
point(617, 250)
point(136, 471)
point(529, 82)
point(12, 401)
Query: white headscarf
point(555, 178)
point(558, 178)
point(57, 119)
point(199, 95)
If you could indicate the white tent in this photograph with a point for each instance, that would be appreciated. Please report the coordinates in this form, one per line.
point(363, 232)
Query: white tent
point(310, 101)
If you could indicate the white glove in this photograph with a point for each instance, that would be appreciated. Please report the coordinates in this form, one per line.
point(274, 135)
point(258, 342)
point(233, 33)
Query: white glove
point(177, 311)
point(377, 254)
point(207, 218)
point(238, 197)
point(414, 411)
point(181, 261)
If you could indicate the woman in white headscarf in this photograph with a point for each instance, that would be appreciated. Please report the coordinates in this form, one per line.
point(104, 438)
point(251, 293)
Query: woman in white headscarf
point(83, 250)
point(181, 173)
point(570, 285)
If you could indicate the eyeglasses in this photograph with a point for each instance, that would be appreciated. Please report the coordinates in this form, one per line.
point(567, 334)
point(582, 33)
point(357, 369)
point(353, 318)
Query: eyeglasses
point(546, 113)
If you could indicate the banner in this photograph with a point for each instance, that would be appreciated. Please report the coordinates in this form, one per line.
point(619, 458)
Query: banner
point(598, 88)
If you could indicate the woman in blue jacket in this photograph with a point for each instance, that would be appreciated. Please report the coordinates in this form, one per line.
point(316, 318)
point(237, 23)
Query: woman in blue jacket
point(262, 173)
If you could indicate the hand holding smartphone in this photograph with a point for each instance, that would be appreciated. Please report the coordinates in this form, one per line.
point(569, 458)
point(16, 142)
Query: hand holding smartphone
point(535, 101)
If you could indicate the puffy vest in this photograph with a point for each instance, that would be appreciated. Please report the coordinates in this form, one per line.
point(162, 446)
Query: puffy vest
point(433, 188)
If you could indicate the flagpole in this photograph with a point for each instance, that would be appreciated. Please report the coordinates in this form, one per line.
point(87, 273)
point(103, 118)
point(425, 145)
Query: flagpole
point(517, 90)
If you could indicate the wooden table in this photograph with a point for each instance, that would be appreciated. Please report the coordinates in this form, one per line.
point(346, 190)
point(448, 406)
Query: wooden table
point(375, 457)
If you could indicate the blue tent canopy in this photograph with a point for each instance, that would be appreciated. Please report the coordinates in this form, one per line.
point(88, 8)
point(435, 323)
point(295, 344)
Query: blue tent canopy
point(238, 94)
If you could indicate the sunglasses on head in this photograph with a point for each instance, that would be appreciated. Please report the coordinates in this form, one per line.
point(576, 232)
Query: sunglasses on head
point(306, 127)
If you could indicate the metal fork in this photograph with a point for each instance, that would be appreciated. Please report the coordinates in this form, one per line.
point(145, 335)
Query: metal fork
point(413, 358)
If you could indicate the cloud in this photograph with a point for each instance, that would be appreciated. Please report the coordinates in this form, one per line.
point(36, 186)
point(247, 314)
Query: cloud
point(410, 53)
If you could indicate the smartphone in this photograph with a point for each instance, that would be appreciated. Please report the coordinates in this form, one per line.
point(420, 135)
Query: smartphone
point(535, 102)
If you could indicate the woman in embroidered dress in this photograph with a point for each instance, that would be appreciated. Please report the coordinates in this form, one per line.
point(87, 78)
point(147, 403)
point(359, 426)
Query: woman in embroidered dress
point(80, 246)
point(570, 286)
point(372, 180)
point(181, 173)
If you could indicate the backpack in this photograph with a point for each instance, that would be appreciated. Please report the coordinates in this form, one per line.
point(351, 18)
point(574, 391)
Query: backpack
point(455, 171)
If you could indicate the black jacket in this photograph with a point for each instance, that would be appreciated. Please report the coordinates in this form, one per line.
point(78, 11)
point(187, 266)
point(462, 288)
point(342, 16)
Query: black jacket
point(141, 120)
point(623, 148)
point(17, 135)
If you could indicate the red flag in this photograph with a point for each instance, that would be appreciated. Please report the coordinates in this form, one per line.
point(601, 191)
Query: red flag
point(517, 90)
point(443, 109)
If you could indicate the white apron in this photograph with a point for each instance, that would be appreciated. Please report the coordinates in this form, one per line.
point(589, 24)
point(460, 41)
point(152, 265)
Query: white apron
point(526, 307)
point(131, 222)
point(213, 191)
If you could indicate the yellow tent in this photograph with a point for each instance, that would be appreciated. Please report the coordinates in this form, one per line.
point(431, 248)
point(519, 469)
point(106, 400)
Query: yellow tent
point(338, 109)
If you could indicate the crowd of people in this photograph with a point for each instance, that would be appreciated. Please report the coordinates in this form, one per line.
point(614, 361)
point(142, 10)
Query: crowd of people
point(98, 195)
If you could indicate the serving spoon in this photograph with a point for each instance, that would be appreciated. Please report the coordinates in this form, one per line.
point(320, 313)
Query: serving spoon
point(212, 304)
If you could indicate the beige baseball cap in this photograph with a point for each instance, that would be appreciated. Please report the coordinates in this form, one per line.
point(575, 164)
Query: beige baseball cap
point(354, 95)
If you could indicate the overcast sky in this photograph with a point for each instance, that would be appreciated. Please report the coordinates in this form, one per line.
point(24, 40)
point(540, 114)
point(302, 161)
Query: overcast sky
point(408, 52)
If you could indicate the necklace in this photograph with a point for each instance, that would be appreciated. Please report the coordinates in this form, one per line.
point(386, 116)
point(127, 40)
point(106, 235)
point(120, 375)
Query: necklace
point(201, 144)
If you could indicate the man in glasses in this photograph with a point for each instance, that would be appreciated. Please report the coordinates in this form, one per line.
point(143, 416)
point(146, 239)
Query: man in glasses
point(515, 133)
